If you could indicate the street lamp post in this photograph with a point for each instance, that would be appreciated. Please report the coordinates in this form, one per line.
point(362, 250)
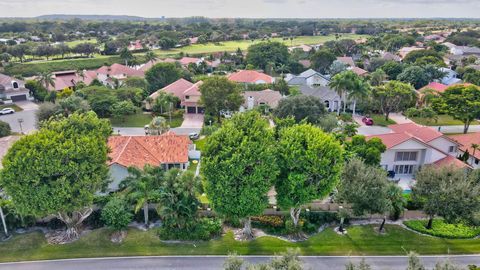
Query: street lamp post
point(20, 121)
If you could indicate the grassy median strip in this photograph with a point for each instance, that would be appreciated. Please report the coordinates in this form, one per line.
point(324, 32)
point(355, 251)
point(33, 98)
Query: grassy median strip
point(361, 240)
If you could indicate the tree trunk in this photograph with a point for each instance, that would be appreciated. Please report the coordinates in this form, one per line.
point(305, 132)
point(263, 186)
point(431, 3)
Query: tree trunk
point(3, 222)
point(247, 228)
point(145, 214)
point(429, 225)
point(73, 221)
point(466, 126)
point(295, 214)
point(354, 106)
point(382, 225)
point(344, 103)
point(387, 116)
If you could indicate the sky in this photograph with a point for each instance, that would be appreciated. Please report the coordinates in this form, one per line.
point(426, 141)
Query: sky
point(248, 8)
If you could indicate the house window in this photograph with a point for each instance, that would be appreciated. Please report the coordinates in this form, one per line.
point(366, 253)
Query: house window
point(404, 169)
point(477, 161)
point(327, 104)
point(187, 97)
point(406, 156)
point(451, 149)
point(15, 85)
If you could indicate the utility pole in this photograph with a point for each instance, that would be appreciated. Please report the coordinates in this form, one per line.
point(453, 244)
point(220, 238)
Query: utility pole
point(20, 121)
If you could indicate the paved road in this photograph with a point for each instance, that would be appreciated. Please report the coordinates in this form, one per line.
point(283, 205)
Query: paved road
point(457, 129)
point(216, 262)
point(141, 131)
point(27, 115)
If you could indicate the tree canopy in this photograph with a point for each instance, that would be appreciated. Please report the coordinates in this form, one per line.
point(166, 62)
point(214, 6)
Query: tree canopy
point(261, 54)
point(220, 94)
point(239, 165)
point(393, 97)
point(301, 107)
point(462, 102)
point(161, 75)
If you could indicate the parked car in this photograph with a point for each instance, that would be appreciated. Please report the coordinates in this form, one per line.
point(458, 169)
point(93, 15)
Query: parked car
point(7, 111)
point(367, 121)
point(193, 136)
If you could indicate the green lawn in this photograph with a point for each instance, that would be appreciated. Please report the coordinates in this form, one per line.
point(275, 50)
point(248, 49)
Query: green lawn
point(136, 120)
point(74, 43)
point(230, 46)
point(200, 144)
point(361, 240)
point(13, 106)
point(379, 120)
point(443, 120)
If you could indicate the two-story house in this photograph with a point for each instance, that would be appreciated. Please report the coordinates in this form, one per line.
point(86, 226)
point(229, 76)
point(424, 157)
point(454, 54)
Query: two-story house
point(309, 77)
point(411, 146)
point(13, 90)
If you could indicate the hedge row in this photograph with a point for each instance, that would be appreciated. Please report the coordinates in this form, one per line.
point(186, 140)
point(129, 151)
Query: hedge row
point(444, 230)
point(32, 69)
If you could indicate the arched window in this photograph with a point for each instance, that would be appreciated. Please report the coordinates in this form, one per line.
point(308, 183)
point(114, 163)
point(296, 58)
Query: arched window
point(15, 85)
point(327, 104)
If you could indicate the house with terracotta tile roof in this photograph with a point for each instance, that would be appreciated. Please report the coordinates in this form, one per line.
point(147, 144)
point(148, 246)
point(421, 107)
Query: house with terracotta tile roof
point(69, 78)
point(359, 71)
point(250, 77)
point(466, 144)
point(411, 146)
point(347, 60)
point(108, 74)
point(435, 86)
point(167, 151)
point(188, 93)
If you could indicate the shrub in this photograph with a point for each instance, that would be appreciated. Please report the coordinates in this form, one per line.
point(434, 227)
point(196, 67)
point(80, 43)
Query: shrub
point(204, 229)
point(410, 204)
point(273, 221)
point(116, 215)
point(5, 129)
point(442, 229)
point(319, 218)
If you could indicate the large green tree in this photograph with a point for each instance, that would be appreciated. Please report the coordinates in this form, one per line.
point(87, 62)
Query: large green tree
point(393, 97)
point(239, 165)
point(310, 162)
point(161, 75)
point(67, 166)
point(462, 102)
point(448, 192)
point(260, 55)
point(220, 94)
point(322, 60)
point(348, 82)
point(365, 188)
point(301, 107)
point(369, 151)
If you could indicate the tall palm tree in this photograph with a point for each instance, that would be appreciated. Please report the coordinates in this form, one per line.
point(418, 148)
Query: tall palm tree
point(359, 91)
point(342, 83)
point(46, 79)
point(150, 56)
point(142, 187)
point(282, 68)
point(475, 147)
point(126, 55)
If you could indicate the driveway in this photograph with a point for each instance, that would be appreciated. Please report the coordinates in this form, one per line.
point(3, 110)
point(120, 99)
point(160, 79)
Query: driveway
point(192, 120)
point(216, 262)
point(27, 117)
point(372, 130)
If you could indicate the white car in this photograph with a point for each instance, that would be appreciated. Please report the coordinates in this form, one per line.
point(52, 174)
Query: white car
point(7, 111)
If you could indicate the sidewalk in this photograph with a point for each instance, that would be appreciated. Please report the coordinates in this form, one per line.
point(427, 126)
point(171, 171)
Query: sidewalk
point(399, 118)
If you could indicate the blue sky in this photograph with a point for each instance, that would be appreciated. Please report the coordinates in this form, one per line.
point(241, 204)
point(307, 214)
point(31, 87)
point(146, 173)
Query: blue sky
point(247, 8)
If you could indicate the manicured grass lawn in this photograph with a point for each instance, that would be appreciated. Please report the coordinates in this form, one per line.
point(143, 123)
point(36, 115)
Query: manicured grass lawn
point(200, 144)
point(74, 43)
point(442, 229)
point(230, 46)
point(443, 120)
point(136, 120)
point(177, 120)
point(379, 120)
point(361, 240)
point(12, 106)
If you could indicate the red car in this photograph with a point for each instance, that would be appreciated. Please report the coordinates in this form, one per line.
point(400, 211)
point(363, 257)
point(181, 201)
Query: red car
point(367, 121)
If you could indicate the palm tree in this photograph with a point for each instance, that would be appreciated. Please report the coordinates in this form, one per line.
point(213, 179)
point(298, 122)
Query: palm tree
point(342, 83)
point(126, 55)
point(358, 91)
point(475, 147)
point(282, 68)
point(46, 79)
point(142, 187)
point(150, 56)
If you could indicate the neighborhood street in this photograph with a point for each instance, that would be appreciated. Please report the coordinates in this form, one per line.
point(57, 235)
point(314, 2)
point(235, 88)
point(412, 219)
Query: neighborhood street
point(216, 262)
point(27, 115)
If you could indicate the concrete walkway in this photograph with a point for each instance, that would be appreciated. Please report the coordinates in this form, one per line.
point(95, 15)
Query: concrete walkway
point(399, 118)
point(456, 129)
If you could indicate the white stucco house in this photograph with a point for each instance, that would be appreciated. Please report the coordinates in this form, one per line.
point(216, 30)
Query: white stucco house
point(253, 99)
point(411, 146)
point(167, 150)
point(13, 90)
point(330, 98)
point(309, 77)
point(469, 143)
